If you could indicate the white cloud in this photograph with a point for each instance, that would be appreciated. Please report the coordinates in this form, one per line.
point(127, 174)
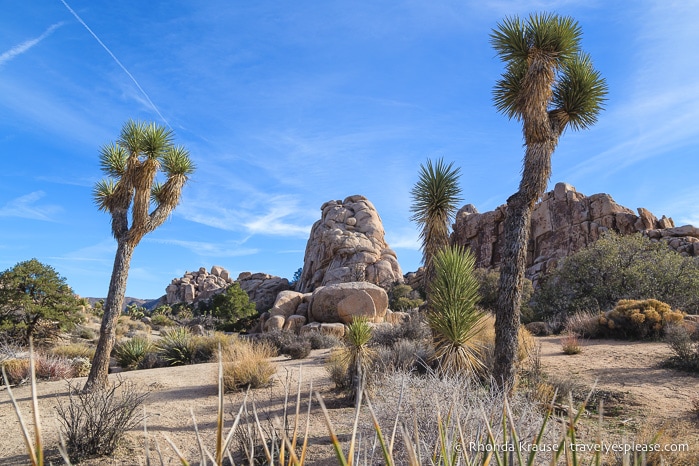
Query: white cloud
point(404, 239)
point(280, 217)
point(26, 207)
point(25, 46)
point(207, 249)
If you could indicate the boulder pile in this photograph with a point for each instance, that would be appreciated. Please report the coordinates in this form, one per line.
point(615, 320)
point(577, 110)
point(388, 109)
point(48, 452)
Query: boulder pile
point(196, 286)
point(329, 308)
point(347, 245)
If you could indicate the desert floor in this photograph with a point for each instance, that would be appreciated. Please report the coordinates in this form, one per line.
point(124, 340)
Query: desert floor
point(638, 394)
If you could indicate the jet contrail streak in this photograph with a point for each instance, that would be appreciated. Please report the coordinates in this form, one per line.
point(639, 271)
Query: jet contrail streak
point(117, 61)
point(24, 46)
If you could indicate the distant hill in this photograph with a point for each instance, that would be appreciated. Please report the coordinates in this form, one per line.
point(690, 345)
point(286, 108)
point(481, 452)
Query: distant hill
point(149, 304)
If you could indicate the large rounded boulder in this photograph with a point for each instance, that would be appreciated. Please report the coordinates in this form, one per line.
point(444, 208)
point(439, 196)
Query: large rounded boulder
point(343, 302)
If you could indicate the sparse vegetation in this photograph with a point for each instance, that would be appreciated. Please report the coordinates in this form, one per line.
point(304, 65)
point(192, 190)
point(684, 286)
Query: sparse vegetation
point(618, 267)
point(684, 344)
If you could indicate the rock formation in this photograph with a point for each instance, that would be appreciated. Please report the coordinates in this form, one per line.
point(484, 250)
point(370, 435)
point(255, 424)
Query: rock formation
point(262, 289)
point(564, 222)
point(347, 245)
point(197, 286)
point(329, 308)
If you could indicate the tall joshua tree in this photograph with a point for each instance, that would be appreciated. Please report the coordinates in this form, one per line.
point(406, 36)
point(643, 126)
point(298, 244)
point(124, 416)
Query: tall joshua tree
point(435, 198)
point(132, 164)
point(549, 85)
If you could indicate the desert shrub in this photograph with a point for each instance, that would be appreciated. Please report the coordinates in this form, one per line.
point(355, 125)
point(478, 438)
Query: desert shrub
point(584, 324)
point(619, 267)
point(540, 329)
point(570, 344)
point(74, 350)
point(16, 369)
point(402, 296)
point(462, 399)
point(278, 339)
point(159, 321)
point(130, 353)
point(206, 346)
point(176, 346)
point(245, 364)
point(638, 319)
point(298, 350)
point(337, 367)
point(83, 333)
point(415, 328)
point(488, 289)
point(93, 423)
point(81, 366)
point(47, 367)
point(403, 355)
point(320, 340)
point(685, 347)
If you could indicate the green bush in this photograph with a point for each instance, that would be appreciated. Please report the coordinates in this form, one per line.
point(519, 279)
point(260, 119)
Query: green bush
point(618, 267)
point(639, 319)
point(35, 300)
point(232, 309)
point(403, 297)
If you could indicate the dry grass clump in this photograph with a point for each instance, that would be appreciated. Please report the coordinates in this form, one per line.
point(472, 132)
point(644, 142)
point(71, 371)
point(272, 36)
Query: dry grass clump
point(486, 338)
point(126, 327)
point(245, 364)
point(639, 319)
point(456, 401)
point(584, 324)
point(570, 344)
point(74, 350)
point(48, 367)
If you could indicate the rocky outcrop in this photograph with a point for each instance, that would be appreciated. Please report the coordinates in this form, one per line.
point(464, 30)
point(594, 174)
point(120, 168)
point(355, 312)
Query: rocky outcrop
point(262, 288)
point(564, 222)
point(193, 287)
point(197, 286)
point(347, 245)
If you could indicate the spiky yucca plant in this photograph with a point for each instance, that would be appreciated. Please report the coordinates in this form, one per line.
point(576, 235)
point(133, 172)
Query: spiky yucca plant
point(358, 354)
point(435, 200)
point(454, 318)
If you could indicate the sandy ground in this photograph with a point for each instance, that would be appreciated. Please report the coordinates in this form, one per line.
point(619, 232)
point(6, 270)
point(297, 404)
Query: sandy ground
point(650, 393)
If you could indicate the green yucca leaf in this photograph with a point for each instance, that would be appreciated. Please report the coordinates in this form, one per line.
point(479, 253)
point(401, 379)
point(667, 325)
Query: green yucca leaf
point(113, 160)
point(176, 162)
point(580, 93)
point(103, 193)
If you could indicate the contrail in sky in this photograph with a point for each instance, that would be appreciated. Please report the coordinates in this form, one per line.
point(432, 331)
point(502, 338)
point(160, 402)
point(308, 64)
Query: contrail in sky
point(116, 60)
point(24, 46)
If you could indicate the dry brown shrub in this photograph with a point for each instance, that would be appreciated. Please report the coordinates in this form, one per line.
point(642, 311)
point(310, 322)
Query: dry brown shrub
point(246, 363)
point(74, 350)
point(486, 338)
point(571, 344)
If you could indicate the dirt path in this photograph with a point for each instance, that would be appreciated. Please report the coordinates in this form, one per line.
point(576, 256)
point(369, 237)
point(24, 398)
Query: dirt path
point(628, 367)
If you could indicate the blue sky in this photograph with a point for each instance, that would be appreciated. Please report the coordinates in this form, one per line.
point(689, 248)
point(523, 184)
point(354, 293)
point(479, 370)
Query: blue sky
point(285, 105)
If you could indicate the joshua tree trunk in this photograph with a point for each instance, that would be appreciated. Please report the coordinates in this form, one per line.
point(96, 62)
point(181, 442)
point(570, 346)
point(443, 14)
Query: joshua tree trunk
point(112, 311)
point(535, 176)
